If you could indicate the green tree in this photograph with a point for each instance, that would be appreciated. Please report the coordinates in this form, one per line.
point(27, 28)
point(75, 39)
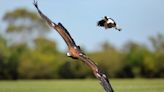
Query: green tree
point(45, 45)
point(158, 45)
point(13, 61)
point(149, 68)
point(41, 62)
point(74, 69)
point(24, 26)
point(4, 53)
point(158, 42)
point(109, 59)
point(134, 57)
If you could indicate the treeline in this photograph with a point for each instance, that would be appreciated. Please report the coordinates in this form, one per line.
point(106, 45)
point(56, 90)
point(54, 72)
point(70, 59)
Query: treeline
point(27, 53)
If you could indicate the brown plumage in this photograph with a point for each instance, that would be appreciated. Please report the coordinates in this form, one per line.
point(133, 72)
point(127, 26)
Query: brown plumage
point(75, 52)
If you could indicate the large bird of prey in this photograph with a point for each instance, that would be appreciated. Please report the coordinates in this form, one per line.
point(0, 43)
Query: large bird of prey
point(107, 22)
point(75, 52)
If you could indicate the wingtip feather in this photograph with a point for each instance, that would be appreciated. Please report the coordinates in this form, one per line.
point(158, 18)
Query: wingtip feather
point(35, 4)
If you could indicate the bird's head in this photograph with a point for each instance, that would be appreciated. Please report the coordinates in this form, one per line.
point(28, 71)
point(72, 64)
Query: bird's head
point(106, 18)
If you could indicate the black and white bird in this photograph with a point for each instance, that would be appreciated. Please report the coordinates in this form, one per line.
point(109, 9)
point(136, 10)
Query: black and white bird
point(107, 22)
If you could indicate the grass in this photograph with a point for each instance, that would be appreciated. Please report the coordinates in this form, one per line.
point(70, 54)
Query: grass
point(119, 85)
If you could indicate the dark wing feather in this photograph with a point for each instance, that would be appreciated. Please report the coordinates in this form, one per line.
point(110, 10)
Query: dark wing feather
point(101, 23)
point(70, 43)
point(43, 16)
point(60, 28)
point(102, 77)
point(105, 83)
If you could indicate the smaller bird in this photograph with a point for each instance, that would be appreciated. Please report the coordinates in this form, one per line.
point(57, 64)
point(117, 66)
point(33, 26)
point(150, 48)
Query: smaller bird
point(107, 22)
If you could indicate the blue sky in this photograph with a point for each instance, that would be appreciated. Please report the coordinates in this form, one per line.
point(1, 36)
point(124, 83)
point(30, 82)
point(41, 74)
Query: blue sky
point(139, 19)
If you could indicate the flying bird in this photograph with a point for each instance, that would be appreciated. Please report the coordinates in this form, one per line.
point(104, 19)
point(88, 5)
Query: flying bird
point(75, 52)
point(107, 22)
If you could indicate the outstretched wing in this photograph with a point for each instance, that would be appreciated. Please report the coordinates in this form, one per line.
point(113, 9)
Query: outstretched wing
point(76, 52)
point(99, 75)
point(101, 23)
point(59, 27)
point(43, 16)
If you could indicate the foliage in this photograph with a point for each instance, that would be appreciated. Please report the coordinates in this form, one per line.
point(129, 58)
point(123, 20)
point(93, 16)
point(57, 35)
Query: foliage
point(3, 57)
point(42, 60)
point(74, 69)
point(23, 26)
point(109, 59)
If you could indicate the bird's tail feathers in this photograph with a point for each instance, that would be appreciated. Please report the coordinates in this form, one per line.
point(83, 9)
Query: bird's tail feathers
point(118, 28)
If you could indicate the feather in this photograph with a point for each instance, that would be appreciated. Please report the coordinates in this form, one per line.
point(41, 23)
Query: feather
point(107, 22)
point(75, 52)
